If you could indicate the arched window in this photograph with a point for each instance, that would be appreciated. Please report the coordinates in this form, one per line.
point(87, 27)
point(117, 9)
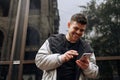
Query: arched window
point(1, 41)
point(32, 42)
point(33, 38)
point(4, 5)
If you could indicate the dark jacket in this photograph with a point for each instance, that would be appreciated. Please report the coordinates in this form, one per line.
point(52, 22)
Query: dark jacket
point(48, 60)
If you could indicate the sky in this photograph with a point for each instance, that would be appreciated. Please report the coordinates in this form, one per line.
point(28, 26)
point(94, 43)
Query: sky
point(66, 9)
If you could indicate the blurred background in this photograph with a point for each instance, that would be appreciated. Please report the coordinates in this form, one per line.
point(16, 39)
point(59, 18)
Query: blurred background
point(26, 24)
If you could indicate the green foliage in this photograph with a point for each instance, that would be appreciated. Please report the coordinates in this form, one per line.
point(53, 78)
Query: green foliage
point(104, 20)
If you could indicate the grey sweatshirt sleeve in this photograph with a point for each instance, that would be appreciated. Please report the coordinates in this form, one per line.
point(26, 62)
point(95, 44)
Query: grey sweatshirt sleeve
point(45, 59)
point(92, 70)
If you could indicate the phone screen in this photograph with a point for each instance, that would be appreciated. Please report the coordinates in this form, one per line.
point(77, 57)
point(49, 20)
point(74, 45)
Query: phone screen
point(87, 55)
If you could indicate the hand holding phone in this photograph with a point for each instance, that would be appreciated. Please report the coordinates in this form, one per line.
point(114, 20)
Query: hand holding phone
point(84, 60)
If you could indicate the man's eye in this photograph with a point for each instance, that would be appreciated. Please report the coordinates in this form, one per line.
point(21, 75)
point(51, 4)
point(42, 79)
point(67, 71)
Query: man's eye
point(81, 30)
point(76, 28)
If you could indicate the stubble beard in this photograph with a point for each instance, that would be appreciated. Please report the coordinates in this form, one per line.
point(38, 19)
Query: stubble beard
point(73, 37)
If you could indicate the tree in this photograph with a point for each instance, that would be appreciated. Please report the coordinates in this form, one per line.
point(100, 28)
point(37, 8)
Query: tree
point(104, 21)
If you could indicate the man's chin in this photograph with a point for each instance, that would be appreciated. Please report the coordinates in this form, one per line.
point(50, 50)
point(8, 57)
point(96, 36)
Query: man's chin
point(74, 40)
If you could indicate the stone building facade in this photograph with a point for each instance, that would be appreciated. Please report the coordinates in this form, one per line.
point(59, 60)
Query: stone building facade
point(24, 26)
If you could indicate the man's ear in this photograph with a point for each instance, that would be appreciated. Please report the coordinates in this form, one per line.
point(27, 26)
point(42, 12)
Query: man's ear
point(68, 24)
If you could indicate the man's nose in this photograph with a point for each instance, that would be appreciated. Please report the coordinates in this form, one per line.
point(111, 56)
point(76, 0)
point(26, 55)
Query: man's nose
point(78, 32)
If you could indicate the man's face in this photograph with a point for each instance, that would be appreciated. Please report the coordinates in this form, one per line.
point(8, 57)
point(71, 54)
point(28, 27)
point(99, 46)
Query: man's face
point(75, 31)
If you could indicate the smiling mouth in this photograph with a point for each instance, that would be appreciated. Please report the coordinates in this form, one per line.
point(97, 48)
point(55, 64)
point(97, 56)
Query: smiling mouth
point(76, 35)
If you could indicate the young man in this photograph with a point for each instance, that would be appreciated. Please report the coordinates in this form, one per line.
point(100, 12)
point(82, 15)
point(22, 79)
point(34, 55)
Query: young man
point(60, 55)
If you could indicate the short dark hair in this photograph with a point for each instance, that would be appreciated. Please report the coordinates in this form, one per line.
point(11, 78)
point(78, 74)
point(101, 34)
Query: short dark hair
point(79, 18)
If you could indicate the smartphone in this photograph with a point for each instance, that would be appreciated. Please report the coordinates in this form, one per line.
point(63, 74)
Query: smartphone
point(86, 54)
